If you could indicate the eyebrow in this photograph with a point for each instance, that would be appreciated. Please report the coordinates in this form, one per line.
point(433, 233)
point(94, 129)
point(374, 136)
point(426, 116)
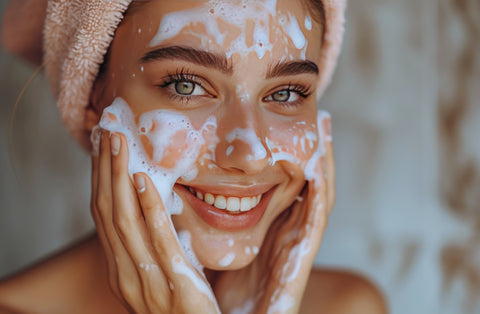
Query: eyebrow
point(200, 57)
point(220, 62)
point(285, 68)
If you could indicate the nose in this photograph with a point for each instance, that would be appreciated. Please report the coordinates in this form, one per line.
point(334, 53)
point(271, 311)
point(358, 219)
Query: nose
point(242, 145)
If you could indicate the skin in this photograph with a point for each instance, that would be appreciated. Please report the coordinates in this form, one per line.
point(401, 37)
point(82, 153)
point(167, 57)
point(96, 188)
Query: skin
point(125, 212)
point(134, 241)
point(125, 78)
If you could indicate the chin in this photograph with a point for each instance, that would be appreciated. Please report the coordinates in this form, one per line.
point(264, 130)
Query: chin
point(218, 249)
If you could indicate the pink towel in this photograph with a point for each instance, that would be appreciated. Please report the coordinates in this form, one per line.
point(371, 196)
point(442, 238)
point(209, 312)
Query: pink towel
point(77, 34)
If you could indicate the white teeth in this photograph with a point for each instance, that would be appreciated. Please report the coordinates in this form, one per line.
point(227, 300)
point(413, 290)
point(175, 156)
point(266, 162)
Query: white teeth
point(231, 204)
point(245, 204)
point(209, 199)
point(220, 202)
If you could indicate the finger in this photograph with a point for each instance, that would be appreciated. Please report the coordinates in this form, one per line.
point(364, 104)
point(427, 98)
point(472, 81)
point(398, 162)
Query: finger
point(167, 247)
point(123, 276)
point(130, 224)
point(159, 226)
point(99, 162)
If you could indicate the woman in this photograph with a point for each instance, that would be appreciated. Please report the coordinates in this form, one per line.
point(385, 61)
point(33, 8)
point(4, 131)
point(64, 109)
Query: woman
point(212, 172)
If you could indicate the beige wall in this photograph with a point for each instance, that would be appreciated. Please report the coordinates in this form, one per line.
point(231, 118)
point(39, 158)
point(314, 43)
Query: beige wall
point(406, 112)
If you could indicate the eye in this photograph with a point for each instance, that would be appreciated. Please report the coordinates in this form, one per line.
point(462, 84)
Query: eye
point(290, 94)
point(186, 88)
point(284, 96)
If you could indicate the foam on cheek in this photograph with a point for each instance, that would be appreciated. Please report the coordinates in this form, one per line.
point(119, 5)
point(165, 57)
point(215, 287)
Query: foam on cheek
point(162, 129)
point(309, 171)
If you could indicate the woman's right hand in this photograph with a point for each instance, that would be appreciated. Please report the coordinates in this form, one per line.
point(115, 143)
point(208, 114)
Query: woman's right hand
point(148, 270)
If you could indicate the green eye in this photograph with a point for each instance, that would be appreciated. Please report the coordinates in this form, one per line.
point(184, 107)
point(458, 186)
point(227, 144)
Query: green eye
point(184, 88)
point(282, 96)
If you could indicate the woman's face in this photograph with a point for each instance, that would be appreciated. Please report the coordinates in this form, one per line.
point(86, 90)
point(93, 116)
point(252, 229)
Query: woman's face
point(248, 66)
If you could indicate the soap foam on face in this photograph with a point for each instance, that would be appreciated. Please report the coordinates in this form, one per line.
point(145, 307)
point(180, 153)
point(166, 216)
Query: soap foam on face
point(160, 127)
point(236, 13)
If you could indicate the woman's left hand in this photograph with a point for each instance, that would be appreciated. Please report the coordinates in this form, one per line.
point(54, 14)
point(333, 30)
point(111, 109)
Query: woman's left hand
point(276, 279)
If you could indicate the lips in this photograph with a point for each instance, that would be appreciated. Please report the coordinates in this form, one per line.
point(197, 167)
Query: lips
point(228, 211)
point(232, 204)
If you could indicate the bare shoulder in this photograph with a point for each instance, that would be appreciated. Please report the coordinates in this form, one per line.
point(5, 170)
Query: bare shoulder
point(341, 292)
point(70, 278)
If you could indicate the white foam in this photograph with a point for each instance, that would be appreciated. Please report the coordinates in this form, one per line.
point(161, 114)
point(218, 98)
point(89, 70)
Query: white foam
point(160, 127)
point(246, 308)
point(281, 304)
point(309, 170)
point(227, 260)
point(185, 240)
point(308, 22)
point(229, 150)
point(292, 29)
point(180, 267)
point(294, 262)
point(260, 12)
point(248, 136)
point(148, 267)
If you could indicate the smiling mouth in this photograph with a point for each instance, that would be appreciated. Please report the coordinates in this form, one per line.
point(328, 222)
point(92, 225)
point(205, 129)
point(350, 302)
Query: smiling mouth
point(227, 212)
point(231, 204)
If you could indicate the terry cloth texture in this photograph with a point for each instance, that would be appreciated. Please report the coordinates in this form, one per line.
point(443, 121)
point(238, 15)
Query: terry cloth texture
point(77, 34)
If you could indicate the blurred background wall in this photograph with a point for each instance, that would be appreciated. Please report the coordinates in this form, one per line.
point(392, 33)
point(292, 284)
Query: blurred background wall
point(405, 103)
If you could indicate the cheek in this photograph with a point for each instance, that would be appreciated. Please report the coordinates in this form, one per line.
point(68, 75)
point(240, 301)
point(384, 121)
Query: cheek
point(294, 143)
point(172, 142)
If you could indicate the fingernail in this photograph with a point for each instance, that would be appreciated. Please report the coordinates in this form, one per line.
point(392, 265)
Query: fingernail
point(115, 144)
point(139, 183)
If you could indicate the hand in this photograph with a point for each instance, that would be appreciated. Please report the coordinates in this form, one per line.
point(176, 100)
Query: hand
point(148, 270)
point(276, 279)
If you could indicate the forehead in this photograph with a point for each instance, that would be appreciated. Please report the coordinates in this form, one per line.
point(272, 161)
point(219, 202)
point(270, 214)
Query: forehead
point(282, 27)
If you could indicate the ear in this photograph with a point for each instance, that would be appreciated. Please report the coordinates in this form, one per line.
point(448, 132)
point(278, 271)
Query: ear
point(95, 107)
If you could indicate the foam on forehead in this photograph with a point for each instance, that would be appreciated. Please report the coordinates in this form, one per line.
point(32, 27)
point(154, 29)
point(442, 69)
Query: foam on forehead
point(234, 13)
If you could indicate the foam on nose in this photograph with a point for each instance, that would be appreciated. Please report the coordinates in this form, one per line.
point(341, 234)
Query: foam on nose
point(248, 136)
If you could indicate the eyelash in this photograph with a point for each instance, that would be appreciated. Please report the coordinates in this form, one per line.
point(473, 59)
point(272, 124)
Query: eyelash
point(184, 75)
point(181, 75)
point(302, 91)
